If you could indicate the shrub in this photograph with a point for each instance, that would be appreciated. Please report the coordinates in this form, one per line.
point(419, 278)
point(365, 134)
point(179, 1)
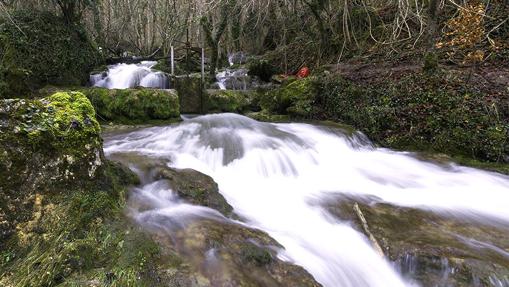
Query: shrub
point(421, 111)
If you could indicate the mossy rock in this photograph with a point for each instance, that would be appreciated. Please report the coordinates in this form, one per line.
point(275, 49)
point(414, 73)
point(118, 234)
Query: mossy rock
point(230, 101)
point(40, 49)
point(44, 143)
point(132, 106)
point(191, 93)
point(296, 98)
point(195, 187)
point(62, 209)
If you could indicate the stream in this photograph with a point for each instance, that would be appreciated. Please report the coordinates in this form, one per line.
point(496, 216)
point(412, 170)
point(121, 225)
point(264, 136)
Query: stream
point(275, 176)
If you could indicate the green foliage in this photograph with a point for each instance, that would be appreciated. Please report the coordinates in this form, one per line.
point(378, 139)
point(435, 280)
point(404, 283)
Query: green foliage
point(438, 112)
point(430, 62)
point(134, 105)
point(262, 69)
point(42, 49)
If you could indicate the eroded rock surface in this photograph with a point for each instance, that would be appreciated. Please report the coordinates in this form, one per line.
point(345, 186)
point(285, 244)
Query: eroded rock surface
point(433, 249)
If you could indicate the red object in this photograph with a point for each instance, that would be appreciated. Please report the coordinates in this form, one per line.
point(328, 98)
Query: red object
point(303, 73)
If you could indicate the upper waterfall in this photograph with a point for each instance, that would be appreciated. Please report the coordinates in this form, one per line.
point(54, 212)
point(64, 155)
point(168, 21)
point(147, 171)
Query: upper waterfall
point(125, 76)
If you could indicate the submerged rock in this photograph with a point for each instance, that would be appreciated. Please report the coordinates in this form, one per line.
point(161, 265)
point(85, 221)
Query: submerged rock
point(434, 249)
point(226, 254)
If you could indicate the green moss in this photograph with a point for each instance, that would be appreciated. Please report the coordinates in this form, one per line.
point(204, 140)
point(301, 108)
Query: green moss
point(430, 62)
point(425, 112)
point(253, 254)
point(295, 98)
point(63, 121)
point(134, 105)
point(39, 49)
point(227, 101)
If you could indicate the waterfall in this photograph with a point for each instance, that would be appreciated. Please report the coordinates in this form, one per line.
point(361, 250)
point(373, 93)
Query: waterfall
point(125, 76)
point(274, 174)
point(233, 79)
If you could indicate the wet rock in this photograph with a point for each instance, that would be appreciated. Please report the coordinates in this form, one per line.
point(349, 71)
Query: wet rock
point(228, 254)
point(195, 187)
point(434, 249)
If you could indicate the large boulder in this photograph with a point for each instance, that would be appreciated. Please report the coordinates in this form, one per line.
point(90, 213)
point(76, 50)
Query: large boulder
point(230, 101)
point(44, 143)
point(295, 98)
point(134, 105)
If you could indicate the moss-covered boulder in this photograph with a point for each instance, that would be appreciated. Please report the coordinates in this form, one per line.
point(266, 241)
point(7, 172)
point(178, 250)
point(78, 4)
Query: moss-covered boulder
point(43, 143)
point(62, 204)
point(295, 98)
point(134, 105)
point(40, 48)
point(230, 101)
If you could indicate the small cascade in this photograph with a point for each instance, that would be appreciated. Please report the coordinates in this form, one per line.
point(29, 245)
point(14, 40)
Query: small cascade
point(125, 76)
point(234, 79)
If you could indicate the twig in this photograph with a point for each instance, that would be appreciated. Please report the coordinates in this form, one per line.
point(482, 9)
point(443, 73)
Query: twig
point(370, 235)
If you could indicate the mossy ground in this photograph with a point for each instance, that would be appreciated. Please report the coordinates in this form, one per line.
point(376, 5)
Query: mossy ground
point(81, 238)
point(421, 112)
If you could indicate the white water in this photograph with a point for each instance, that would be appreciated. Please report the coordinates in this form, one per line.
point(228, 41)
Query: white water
point(125, 76)
point(273, 175)
point(233, 79)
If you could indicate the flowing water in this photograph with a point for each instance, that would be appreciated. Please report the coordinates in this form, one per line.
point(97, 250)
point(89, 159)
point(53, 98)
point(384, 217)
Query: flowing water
point(125, 76)
point(273, 175)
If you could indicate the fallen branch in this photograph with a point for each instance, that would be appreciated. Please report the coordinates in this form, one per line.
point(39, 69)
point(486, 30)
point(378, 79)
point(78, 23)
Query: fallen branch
point(370, 235)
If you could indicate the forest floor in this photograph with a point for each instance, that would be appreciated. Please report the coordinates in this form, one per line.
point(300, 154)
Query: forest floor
point(492, 78)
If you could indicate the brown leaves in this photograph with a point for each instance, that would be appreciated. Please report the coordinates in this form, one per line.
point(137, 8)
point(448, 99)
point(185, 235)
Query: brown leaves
point(465, 32)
